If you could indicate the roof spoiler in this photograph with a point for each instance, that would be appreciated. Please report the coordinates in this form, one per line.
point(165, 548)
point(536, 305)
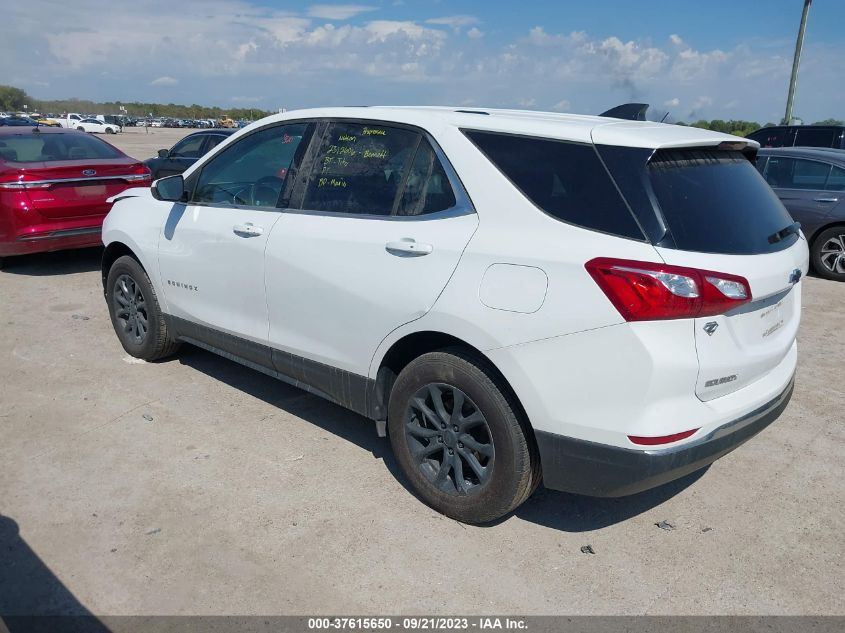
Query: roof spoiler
point(628, 111)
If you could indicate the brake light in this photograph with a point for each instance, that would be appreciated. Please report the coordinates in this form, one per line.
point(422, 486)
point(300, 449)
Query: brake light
point(139, 172)
point(645, 291)
point(17, 182)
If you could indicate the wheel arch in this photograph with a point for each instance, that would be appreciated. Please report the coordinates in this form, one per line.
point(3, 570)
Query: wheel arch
point(413, 345)
point(111, 254)
point(811, 240)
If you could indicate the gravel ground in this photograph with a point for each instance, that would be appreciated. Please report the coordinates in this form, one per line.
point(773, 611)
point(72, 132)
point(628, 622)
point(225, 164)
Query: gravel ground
point(197, 486)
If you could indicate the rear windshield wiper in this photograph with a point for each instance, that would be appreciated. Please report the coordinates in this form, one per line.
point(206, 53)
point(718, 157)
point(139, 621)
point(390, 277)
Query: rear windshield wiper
point(795, 227)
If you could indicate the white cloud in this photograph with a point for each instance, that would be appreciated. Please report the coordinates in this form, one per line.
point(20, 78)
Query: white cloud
point(562, 106)
point(676, 39)
point(337, 11)
point(220, 48)
point(454, 21)
point(672, 103)
point(164, 80)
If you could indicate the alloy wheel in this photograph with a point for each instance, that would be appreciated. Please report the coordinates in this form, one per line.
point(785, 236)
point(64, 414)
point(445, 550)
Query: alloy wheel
point(449, 439)
point(833, 254)
point(130, 309)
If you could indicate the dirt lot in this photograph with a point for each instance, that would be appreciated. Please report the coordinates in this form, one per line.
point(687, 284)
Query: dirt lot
point(143, 143)
point(198, 486)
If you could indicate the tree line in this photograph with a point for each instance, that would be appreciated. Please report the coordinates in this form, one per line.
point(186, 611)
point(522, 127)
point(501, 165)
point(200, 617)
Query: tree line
point(744, 128)
point(14, 99)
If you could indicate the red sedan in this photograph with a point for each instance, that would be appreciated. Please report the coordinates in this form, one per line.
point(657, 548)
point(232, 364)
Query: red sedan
point(54, 184)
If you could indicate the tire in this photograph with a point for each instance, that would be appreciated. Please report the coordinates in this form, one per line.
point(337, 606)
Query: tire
point(510, 470)
point(80, 129)
point(109, 130)
point(130, 297)
point(828, 253)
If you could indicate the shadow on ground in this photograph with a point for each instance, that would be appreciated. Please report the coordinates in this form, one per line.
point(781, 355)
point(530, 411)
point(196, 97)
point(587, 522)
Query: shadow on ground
point(32, 598)
point(556, 510)
point(83, 260)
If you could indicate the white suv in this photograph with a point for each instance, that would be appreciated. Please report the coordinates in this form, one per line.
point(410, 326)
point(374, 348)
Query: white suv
point(605, 305)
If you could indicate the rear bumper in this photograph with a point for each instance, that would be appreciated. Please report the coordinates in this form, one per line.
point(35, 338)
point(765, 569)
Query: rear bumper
point(600, 470)
point(57, 240)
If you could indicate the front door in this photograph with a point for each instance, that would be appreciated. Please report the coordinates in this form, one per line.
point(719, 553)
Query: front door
point(211, 251)
point(380, 231)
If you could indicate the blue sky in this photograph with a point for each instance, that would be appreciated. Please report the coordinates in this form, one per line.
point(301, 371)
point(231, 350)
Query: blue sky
point(714, 59)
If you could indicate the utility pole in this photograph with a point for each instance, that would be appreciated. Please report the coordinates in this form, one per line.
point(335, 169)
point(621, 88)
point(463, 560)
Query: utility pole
point(796, 61)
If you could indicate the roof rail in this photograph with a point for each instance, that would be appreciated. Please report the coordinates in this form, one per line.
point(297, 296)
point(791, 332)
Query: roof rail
point(629, 111)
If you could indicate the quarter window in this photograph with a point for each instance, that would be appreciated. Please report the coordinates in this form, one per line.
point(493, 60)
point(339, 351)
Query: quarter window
point(358, 168)
point(566, 180)
point(252, 171)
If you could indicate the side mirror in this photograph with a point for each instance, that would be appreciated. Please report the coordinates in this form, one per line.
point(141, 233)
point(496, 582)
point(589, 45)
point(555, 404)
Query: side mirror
point(163, 153)
point(170, 189)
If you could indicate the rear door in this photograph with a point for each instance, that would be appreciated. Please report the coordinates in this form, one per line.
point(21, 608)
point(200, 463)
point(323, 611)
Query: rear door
point(723, 217)
point(380, 228)
point(800, 184)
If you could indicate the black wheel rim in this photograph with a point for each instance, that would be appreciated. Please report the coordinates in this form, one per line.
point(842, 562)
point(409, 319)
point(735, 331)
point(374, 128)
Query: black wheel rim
point(449, 439)
point(130, 309)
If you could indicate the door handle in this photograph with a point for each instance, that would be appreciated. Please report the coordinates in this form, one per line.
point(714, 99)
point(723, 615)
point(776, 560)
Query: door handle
point(826, 199)
point(408, 247)
point(247, 230)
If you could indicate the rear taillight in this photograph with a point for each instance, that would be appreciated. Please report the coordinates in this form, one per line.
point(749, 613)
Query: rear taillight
point(18, 182)
point(139, 172)
point(644, 291)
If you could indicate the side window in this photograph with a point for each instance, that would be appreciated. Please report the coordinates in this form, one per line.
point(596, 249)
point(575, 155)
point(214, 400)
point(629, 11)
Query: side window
point(188, 147)
point(779, 171)
point(814, 138)
point(253, 171)
point(358, 168)
point(795, 173)
point(427, 188)
point(836, 179)
point(566, 180)
point(213, 141)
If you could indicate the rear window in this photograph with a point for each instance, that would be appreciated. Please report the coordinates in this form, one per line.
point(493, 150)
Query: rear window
point(809, 137)
point(565, 180)
point(36, 147)
point(717, 202)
